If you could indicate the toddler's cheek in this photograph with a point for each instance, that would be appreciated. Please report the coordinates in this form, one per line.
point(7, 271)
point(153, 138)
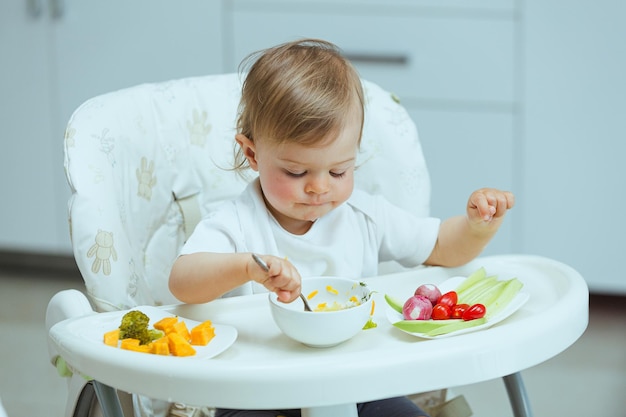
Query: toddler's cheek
point(279, 190)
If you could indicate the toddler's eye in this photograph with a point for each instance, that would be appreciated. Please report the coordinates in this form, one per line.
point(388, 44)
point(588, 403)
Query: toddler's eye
point(337, 174)
point(295, 174)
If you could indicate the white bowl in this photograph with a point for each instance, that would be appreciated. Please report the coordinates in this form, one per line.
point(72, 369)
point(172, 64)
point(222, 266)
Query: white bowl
point(324, 328)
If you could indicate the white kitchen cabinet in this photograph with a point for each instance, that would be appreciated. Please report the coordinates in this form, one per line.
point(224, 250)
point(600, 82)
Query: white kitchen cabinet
point(466, 151)
point(55, 58)
point(443, 59)
point(575, 138)
point(452, 64)
point(29, 213)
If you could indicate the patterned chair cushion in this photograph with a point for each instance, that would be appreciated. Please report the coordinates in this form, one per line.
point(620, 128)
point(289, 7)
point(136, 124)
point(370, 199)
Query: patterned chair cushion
point(139, 161)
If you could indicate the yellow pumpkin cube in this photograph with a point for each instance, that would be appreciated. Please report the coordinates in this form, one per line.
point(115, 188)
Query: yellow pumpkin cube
point(166, 325)
point(181, 328)
point(127, 343)
point(112, 338)
point(179, 346)
point(202, 334)
point(160, 346)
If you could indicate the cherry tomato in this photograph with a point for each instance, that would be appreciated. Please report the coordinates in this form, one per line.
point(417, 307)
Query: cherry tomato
point(450, 299)
point(440, 312)
point(474, 312)
point(458, 310)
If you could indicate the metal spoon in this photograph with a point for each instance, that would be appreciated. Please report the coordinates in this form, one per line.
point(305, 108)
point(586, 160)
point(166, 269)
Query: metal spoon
point(264, 266)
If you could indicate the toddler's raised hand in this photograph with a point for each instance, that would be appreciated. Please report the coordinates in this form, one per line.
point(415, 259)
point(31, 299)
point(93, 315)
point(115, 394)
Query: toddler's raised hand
point(487, 204)
point(281, 277)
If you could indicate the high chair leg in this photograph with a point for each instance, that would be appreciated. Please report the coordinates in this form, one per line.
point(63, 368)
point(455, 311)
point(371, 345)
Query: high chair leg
point(85, 401)
point(109, 401)
point(517, 395)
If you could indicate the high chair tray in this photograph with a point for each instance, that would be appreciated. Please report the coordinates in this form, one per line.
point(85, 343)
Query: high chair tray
point(276, 372)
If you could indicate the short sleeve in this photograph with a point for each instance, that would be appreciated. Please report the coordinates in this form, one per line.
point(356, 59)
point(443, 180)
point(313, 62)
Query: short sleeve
point(219, 232)
point(402, 236)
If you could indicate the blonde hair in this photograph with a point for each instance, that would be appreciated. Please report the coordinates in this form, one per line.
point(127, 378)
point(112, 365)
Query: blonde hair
point(301, 91)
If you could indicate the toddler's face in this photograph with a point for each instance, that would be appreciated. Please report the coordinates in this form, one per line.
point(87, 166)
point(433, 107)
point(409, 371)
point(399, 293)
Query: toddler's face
point(303, 183)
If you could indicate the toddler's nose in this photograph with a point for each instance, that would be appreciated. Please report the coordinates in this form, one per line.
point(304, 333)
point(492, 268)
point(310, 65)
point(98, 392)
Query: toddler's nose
point(317, 185)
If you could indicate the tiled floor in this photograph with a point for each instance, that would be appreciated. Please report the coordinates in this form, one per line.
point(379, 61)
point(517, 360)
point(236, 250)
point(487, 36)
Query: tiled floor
point(587, 379)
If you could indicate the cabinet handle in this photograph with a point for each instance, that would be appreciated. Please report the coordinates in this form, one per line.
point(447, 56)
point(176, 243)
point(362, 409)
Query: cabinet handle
point(34, 8)
point(377, 59)
point(56, 9)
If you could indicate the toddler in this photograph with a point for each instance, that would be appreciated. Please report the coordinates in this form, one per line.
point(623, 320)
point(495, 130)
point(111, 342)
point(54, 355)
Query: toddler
point(299, 127)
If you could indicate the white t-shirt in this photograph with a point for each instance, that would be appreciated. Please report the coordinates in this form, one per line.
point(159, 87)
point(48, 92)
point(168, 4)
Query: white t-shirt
point(349, 241)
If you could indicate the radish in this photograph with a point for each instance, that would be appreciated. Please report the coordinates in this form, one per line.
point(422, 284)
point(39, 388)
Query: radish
point(429, 291)
point(417, 307)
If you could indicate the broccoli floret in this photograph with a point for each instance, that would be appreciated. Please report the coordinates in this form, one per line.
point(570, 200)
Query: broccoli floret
point(155, 334)
point(134, 325)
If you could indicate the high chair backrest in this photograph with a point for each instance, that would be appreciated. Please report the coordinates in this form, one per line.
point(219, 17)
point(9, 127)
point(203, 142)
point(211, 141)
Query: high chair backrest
point(147, 162)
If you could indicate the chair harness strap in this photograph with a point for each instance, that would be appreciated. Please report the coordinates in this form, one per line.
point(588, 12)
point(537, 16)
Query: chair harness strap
point(190, 209)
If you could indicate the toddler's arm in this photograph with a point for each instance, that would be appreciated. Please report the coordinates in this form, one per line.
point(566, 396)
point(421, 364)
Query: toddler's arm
point(202, 277)
point(462, 238)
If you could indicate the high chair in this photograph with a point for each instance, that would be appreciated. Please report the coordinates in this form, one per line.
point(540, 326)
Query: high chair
point(146, 163)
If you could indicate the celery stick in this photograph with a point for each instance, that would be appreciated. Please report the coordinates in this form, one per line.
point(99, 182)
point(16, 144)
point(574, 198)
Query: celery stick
point(453, 327)
point(423, 326)
point(489, 295)
point(394, 303)
point(513, 286)
point(472, 279)
point(478, 288)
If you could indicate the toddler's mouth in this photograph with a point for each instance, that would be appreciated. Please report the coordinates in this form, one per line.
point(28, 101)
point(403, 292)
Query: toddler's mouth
point(316, 203)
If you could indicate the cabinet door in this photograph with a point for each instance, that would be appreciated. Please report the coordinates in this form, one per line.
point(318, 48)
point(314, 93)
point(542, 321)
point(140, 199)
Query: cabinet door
point(575, 177)
point(466, 151)
point(444, 59)
point(55, 61)
point(30, 219)
point(108, 45)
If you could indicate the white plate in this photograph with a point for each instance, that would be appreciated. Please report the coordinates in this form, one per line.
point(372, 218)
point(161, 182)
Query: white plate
point(224, 337)
point(450, 284)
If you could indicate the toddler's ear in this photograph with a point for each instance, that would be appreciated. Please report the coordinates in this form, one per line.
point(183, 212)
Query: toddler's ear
point(248, 150)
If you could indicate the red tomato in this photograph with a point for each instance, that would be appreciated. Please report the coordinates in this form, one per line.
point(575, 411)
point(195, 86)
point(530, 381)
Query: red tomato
point(458, 310)
point(440, 312)
point(474, 312)
point(450, 299)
